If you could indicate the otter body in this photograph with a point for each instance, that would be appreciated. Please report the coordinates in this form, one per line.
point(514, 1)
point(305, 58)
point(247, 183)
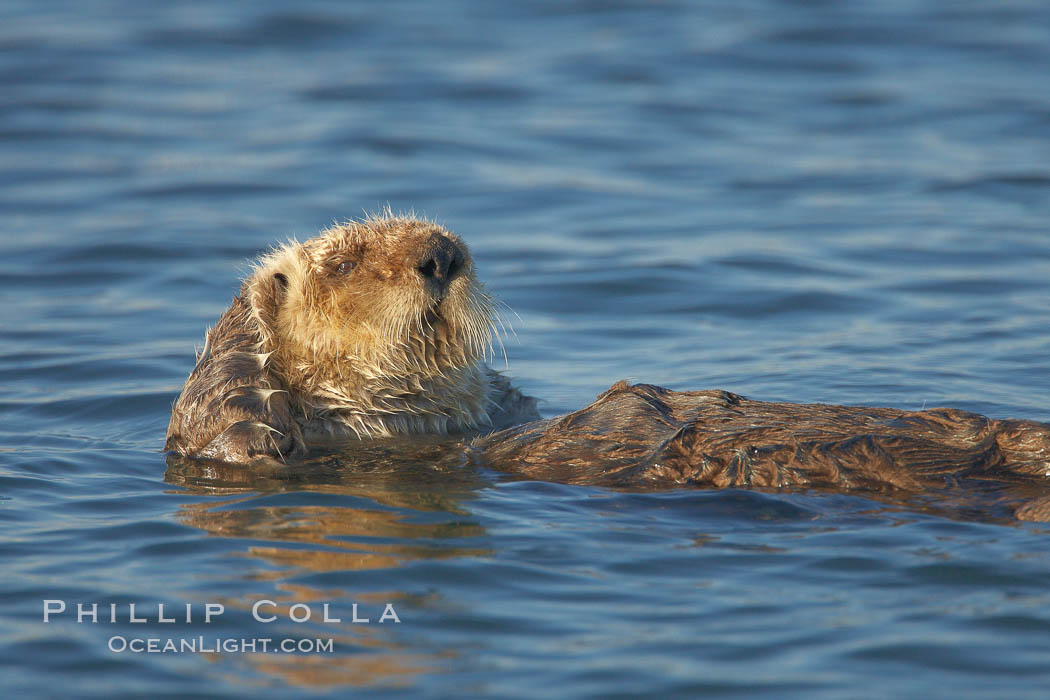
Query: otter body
point(372, 329)
point(379, 328)
point(644, 435)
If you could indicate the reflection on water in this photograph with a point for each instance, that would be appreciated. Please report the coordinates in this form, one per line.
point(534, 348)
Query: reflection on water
point(386, 503)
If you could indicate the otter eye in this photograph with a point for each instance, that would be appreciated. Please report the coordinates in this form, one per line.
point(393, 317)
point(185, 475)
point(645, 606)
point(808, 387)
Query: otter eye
point(346, 266)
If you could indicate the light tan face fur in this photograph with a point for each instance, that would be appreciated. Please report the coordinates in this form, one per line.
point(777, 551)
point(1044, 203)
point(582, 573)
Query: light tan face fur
point(365, 340)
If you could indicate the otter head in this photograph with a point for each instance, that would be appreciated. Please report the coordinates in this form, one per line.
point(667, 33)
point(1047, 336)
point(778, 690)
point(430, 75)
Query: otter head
point(380, 316)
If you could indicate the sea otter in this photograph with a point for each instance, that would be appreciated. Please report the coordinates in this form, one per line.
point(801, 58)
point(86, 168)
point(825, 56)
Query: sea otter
point(379, 328)
point(373, 328)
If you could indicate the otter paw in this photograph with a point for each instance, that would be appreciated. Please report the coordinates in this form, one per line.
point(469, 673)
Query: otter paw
point(242, 442)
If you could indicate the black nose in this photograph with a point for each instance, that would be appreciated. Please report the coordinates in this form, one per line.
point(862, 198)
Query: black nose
point(442, 259)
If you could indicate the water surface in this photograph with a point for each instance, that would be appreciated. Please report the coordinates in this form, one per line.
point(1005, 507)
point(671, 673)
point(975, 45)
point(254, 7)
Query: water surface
point(838, 202)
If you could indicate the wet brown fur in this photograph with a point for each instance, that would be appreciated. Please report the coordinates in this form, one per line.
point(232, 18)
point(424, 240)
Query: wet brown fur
point(645, 435)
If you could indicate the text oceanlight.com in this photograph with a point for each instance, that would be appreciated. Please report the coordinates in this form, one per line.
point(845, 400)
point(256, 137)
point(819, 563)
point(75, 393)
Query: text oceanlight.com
point(215, 645)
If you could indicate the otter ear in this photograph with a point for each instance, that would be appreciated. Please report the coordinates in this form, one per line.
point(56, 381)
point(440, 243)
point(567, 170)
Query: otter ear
point(266, 297)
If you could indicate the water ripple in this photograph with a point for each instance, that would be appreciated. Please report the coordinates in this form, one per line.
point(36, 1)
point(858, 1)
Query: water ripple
point(814, 202)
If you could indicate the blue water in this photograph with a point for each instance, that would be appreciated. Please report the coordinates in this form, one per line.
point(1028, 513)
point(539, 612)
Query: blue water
point(844, 202)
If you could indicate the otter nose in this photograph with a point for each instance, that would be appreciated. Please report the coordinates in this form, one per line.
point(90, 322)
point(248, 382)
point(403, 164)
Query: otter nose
point(441, 260)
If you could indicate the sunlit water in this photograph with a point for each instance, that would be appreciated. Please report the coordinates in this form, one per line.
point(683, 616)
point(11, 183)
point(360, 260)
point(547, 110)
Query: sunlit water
point(840, 202)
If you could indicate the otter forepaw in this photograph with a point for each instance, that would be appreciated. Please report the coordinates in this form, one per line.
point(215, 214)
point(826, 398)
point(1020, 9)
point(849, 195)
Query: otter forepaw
point(247, 440)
